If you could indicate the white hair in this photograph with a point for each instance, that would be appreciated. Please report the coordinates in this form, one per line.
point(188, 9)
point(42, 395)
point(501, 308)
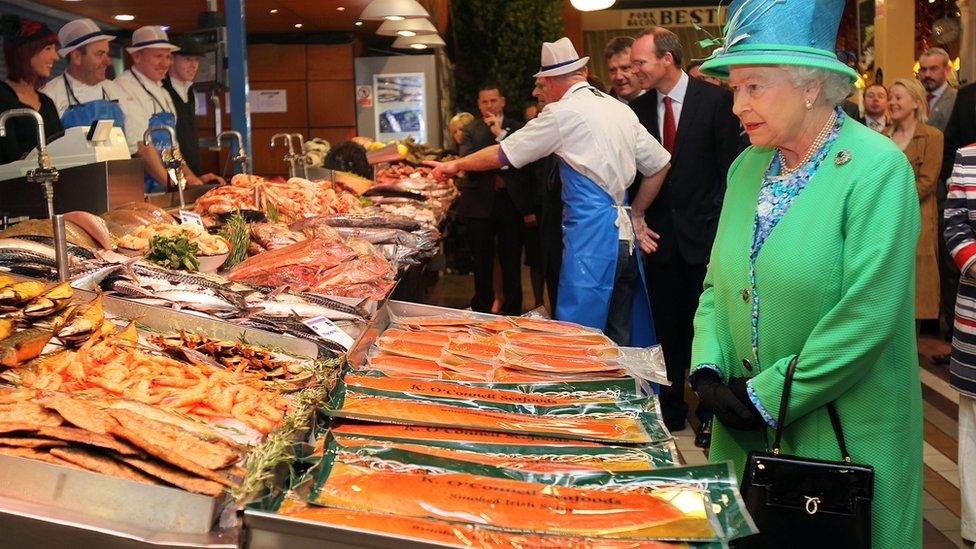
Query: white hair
point(834, 86)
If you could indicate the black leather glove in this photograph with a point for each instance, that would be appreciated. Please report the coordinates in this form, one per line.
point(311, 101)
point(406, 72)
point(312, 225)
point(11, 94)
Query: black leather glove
point(721, 399)
point(738, 387)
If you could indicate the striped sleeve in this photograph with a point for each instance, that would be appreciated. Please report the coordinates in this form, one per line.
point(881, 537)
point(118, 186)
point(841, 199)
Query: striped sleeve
point(960, 209)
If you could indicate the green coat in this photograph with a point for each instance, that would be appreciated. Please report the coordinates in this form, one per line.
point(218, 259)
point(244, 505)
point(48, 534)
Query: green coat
point(836, 285)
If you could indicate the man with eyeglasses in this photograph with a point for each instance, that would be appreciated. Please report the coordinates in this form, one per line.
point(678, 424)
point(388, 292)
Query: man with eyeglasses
point(623, 81)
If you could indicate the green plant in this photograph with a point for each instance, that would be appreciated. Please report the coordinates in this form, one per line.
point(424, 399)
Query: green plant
point(173, 252)
point(238, 233)
point(500, 40)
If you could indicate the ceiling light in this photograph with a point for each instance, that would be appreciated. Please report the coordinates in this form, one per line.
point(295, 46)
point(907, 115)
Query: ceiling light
point(274, 10)
point(124, 17)
point(298, 25)
point(419, 42)
point(341, 8)
point(407, 27)
point(359, 23)
point(393, 10)
point(591, 5)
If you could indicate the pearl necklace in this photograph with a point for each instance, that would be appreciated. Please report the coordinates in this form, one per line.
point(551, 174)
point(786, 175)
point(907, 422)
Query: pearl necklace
point(817, 143)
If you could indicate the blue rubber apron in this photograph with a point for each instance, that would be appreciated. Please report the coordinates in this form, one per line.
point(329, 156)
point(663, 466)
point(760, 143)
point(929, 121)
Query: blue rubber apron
point(590, 244)
point(160, 139)
point(84, 114)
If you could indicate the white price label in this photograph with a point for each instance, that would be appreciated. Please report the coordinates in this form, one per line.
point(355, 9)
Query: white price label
point(327, 329)
point(190, 218)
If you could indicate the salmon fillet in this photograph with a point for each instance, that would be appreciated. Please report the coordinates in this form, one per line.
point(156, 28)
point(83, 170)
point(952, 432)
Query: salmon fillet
point(100, 463)
point(175, 476)
point(81, 436)
point(205, 454)
point(28, 412)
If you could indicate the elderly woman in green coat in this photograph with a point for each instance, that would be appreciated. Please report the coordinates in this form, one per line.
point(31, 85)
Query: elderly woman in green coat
point(814, 258)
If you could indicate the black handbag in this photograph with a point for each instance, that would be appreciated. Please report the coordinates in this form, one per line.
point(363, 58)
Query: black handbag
point(802, 502)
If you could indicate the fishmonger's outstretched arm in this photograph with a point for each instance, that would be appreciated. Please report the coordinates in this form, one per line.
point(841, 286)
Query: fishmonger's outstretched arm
point(488, 158)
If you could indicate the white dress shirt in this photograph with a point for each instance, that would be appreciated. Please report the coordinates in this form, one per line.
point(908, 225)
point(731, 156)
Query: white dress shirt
point(677, 95)
point(626, 101)
point(937, 94)
point(138, 105)
point(876, 124)
point(594, 134)
point(182, 88)
point(56, 90)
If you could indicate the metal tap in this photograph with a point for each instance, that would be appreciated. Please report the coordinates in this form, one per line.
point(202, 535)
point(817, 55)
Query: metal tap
point(291, 158)
point(47, 175)
point(171, 157)
point(241, 157)
point(302, 157)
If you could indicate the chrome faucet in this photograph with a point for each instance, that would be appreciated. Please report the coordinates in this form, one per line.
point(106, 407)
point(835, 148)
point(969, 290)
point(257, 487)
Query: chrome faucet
point(241, 156)
point(47, 175)
point(302, 157)
point(290, 157)
point(171, 157)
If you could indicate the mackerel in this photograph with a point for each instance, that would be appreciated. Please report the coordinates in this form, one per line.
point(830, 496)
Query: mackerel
point(73, 249)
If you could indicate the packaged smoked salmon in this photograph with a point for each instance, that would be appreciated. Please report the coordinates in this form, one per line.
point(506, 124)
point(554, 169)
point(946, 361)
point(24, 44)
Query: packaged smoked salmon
point(625, 422)
point(672, 510)
point(566, 459)
point(448, 534)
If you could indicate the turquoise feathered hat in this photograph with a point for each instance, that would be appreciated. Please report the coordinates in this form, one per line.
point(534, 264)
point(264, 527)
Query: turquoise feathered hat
point(778, 32)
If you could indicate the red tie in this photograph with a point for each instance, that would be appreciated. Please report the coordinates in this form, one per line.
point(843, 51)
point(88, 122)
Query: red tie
point(929, 98)
point(669, 128)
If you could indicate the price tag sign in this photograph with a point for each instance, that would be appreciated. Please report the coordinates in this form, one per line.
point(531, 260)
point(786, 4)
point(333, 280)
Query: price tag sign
point(190, 218)
point(326, 329)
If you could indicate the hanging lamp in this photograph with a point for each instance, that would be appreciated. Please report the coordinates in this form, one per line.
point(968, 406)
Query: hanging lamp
point(419, 42)
point(591, 5)
point(393, 10)
point(407, 27)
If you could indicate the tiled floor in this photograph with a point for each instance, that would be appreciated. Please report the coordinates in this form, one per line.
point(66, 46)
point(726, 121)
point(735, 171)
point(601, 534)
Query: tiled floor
point(941, 506)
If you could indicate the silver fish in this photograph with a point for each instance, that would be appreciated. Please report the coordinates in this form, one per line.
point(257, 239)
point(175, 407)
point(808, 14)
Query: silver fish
point(303, 310)
point(195, 300)
point(91, 277)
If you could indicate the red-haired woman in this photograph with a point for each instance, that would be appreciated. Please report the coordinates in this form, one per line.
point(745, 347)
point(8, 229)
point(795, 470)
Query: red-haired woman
point(30, 49)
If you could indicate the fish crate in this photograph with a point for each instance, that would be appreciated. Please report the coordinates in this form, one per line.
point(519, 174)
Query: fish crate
point(48, 494)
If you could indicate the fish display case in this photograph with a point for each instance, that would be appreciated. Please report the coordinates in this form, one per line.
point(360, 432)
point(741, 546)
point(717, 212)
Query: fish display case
point(49, 505)
point(93, 188)
point(268, 530)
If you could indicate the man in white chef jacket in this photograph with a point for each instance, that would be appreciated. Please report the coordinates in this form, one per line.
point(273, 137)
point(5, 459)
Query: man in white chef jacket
point(147, 104)
point(82, 94)
point(598, 142)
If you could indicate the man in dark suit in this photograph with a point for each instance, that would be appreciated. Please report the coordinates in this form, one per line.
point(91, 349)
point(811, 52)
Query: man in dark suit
point(693, 120)
point(494, 203)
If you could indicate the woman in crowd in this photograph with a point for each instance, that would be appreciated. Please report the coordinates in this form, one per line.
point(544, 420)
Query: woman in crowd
point(457, 123)
point(922, 144)
point(30, 50)
point(813, 260)
point(960, 235)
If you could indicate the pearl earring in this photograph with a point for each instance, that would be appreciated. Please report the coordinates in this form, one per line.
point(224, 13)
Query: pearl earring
point(809, 105)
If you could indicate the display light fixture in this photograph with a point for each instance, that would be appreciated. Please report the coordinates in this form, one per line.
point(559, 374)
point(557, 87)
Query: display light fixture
point(407, 27)
point(393, 10)
point(124, 17)
point(591, 5)
point(419, 42)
